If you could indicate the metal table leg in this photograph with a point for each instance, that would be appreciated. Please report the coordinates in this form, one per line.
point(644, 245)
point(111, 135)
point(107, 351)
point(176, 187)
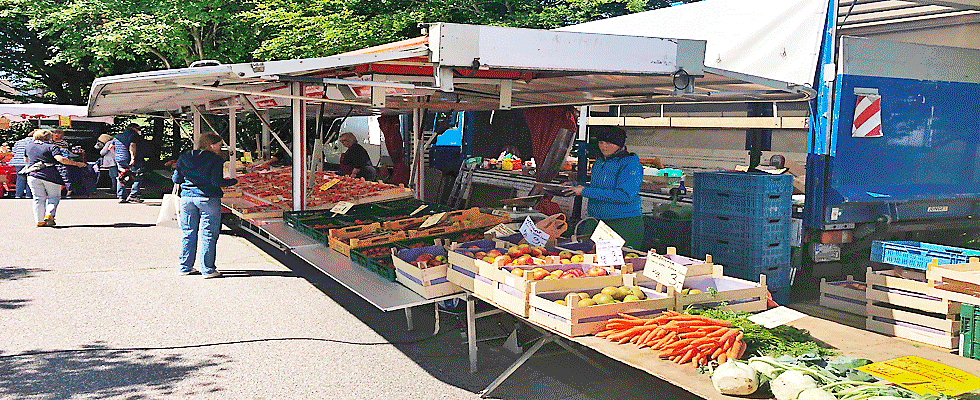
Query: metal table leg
point(408, 318)
point(437, 319)
point(517, 364)
point(471, 330)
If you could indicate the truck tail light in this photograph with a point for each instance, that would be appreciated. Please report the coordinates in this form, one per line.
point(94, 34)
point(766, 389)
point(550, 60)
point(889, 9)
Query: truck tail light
point(836, 237)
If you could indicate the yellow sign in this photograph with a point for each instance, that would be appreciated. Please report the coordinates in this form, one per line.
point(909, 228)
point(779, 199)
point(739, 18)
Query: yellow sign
point(64, 121)
point(330, 184)
point(247, 157)
point(923, 376)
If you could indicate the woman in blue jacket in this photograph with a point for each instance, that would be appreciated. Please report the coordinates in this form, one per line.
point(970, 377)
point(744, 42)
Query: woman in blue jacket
point(199, 173)
point(614, 189)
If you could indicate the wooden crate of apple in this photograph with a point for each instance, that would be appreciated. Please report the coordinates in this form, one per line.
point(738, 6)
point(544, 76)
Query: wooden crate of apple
point(582, 307)
point(463, 269)
point(424, 271)
point(714, 289)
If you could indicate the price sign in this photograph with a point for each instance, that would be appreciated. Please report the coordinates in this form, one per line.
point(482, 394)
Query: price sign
point(604, 232)
point(923, 376)
point(776, 317)
point(432, 220)
point(330, 184)
point(421, 207)
point(247, 157)
point(533, 235)
point(608, 252)
point(665, 271)
point(501, 230)
point(341, 207)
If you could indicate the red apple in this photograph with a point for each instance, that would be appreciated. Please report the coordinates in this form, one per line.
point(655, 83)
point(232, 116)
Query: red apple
point(565, 254)
point(515, 252)
point(480, 254)
point(596, 271)
point(539, 274)
point(494, 253)
point(535, 251)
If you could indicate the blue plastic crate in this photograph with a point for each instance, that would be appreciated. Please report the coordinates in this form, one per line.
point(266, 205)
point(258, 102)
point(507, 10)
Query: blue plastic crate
point(737, 253)
point(777, 276)
point(745, 228)
point(918, 255)
point(737, 203)
point(744, 182)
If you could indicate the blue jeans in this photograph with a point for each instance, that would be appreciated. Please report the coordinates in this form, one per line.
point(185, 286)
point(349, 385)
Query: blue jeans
point(22, 190)
point(199, 216)
point(122, 191)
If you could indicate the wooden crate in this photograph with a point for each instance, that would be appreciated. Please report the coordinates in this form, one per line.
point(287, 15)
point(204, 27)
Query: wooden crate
point(484, 287)
point(902, 303)
point(847, 295)
point(933, 329)
point(509, 297)
point(908, 288)
point(573, 320)
point(343, 239)
point(738, 294)
point(503, 274)
point(461, 277)
point(958, 282)
point(428, 281)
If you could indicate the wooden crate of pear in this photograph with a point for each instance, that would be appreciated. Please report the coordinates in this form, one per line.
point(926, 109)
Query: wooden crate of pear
point(582, 307)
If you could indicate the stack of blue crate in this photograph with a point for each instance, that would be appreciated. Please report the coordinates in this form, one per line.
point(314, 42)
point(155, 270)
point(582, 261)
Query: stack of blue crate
point(743, 220)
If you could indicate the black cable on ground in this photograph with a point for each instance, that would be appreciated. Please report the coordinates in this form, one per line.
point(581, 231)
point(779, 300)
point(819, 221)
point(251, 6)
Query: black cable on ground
point(246, 341)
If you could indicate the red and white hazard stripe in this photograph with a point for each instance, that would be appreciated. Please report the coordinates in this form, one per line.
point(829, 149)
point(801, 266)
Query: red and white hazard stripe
point(867, 116)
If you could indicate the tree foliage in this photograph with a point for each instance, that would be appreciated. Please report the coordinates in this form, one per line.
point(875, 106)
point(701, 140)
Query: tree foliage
point(62, 45)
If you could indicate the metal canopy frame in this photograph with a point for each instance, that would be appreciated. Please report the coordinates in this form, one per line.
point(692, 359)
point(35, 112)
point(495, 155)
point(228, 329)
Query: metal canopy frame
point(889, 15)
point(453, 67)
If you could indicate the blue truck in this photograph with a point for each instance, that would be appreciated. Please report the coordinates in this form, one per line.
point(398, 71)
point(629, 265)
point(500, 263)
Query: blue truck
point(893, 151)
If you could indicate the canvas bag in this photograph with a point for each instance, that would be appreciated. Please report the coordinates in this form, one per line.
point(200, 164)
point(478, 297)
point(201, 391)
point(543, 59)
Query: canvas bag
point(170, 210)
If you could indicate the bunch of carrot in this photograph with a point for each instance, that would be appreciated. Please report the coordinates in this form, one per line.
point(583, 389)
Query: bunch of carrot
point(679, 337)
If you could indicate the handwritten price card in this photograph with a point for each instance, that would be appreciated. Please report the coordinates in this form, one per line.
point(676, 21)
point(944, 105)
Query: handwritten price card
point(341, 207)
point(432, 220)
point(501, 230)
point(534, 235)
point(604, 232)
point(923, 376)
point(665, 271)
point(609, 252)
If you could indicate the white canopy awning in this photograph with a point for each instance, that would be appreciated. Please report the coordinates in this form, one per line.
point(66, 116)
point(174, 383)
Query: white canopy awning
point(21, 112)
point(453, 67)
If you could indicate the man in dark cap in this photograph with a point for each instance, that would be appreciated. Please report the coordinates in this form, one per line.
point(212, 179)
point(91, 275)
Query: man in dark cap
point(614, 189)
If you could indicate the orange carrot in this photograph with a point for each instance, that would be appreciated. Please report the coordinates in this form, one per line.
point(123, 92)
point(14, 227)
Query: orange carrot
point(627, 316)
point(687, 356)
point(722, 358)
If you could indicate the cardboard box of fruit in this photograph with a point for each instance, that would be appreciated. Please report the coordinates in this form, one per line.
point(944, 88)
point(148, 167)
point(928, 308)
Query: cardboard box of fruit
point(424, 271)
point(579, 307)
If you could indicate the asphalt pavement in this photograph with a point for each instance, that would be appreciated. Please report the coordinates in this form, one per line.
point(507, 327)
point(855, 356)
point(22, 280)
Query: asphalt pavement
point(94, 308)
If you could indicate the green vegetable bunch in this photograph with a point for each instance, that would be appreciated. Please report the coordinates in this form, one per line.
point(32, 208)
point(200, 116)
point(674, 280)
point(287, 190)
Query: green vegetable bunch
point(781, 340)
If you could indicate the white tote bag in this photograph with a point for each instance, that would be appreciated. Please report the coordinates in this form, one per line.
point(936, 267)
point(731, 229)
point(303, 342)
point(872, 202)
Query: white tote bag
point(170, 210)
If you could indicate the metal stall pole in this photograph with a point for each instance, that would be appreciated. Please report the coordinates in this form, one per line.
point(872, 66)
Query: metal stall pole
point(197, 124)
point(232, 142)
point(299, 146)
point(264, 151)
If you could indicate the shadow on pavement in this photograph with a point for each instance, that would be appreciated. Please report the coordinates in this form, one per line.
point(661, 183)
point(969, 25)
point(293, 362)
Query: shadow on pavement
point(98, 371)
point(245, 273)
point(115, 225)
point(12, 304)
point(552, 374)
point(15, 273)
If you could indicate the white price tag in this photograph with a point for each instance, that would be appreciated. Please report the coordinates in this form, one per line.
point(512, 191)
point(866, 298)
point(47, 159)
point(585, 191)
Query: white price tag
point(604, 232)
point(776, 317)
point(608, 252)
point(432, 220)
point(421, 207)
point(501, 230)
point(341, 207)
point(665, 271)
point(534, 235)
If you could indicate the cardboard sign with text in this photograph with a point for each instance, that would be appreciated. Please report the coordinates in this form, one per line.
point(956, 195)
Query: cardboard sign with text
point(608, 252)
point(665, 271)
point(341, 207)
point(923, 376)
point(534, 235)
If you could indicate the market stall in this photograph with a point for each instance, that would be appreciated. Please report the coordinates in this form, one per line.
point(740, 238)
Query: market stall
point(461, 67)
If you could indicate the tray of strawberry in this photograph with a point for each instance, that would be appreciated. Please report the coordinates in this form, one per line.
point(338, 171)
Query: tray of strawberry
point(376, 258)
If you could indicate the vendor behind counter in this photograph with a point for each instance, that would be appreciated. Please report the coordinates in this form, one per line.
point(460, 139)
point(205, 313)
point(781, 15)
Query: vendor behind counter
point(614, 189)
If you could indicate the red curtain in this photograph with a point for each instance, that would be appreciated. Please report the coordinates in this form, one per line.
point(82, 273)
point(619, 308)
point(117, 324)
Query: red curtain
point(544, 124)
point(391, 128)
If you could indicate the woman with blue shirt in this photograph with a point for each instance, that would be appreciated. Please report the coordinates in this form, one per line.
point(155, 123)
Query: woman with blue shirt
point(44, 180)
point(200, 174)
point(614, 189)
